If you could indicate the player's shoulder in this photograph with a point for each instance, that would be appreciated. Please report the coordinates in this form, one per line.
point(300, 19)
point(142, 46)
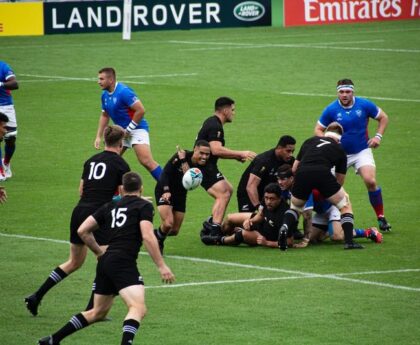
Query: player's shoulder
point(361, 101)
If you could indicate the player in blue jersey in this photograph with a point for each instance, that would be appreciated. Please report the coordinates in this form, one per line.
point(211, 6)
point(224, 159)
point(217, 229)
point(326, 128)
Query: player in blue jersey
point(3, 121)
point(353, 113)
point(121, 104)
point(8, 82)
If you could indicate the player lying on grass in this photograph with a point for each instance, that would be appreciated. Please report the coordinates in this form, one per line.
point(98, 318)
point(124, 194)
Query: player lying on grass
point(258, 228)
point(322, 220)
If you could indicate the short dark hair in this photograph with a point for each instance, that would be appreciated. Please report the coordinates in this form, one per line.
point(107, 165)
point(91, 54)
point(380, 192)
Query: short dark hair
point(273, 188)
point(132, 182)
point(201, 142)
point(223, 102)
point(286, 140)
point(108, 70)
point(284, 171)
point(345, 82)
point(3, 118)
point(335, 127)
point(113, 135)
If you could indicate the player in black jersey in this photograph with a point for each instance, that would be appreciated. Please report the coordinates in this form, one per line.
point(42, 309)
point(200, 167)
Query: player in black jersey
point(129, 222)
point(216, 184)
point(261, 227)
point(171, 196)
point(101, 179)
point(262, 171)
point(316, 158)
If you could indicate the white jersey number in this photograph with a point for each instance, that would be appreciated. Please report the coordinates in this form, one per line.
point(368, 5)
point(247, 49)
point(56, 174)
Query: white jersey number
point(118, 217)
point(97, 170)
point(323, 142)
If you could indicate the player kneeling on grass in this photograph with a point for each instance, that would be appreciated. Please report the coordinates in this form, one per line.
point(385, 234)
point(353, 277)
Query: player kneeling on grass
point(324, 222)
point(130, 223)
point(262, 226)
point(171, 196)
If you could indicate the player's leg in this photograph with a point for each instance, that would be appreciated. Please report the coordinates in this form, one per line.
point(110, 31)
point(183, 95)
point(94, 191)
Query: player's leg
point(76, 259)
point(234, 220)
point(365, 166)
point(341, 200)
point(221, 191)
point(141, 144)
point(103, 304)
point(9, 149)
point(133, 297)
point(290, 220)
point(2, 174)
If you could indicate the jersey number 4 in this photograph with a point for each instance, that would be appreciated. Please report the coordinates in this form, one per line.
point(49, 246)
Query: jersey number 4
point(118, 217)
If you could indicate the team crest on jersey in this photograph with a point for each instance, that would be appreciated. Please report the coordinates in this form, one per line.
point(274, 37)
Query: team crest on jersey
point(339, 117)
point(358, 112)
point(114, 99)
point(219, 134)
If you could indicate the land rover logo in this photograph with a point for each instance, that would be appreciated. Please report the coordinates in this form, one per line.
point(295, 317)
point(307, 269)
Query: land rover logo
point(249, 11)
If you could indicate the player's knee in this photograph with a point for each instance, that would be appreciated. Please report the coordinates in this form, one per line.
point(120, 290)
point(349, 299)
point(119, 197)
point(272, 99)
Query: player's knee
point(167, 225)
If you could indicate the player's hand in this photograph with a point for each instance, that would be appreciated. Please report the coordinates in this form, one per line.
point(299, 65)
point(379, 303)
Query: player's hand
point(166, 196)
point(147, 198)
point(247, 156)
point(261, 240)
point(97, 143)
point(3, 195)
point(374, 142)
point(166, 274)
point(247, 224)
point(303, 244)
point(181, 152)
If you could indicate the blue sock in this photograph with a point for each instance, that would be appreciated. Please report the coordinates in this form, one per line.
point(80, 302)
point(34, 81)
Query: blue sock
point(359, 232)
point(156, 172)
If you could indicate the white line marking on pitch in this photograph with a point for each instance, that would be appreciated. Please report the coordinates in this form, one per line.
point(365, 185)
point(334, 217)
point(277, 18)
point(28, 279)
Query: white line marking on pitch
point(336, 276)
point(326, 45)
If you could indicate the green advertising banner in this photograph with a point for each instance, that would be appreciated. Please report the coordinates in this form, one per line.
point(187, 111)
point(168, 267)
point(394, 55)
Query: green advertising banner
point(105, 16)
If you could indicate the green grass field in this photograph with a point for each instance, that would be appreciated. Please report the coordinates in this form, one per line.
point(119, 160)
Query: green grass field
point(281, 80)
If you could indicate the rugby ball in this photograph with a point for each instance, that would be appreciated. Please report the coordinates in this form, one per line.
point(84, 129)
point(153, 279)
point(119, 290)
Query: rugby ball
point(192, 178)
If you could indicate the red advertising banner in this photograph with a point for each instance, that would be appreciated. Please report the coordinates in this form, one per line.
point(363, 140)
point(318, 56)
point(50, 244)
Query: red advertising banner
point(315, 12)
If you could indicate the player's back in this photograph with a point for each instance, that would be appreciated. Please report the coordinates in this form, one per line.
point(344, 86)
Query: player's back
point(102, 174)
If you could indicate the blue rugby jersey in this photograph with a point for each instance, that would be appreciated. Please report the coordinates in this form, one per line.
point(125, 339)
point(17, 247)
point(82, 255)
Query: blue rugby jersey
point(5, 73)
point(354, 120)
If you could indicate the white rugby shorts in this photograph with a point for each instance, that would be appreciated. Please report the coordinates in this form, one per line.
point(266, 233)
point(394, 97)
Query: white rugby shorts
point(361, 159)
point(331, 215)
point(138, 136)
point(9, 110)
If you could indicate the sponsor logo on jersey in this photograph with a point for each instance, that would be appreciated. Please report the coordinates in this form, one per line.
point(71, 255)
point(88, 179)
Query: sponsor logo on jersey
point(249, 11)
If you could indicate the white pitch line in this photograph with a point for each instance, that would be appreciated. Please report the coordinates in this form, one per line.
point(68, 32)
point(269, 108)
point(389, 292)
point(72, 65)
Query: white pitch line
point(232, 45)
point(287, 93)
point(300, 275)
point(162, 75)
point(272, 44)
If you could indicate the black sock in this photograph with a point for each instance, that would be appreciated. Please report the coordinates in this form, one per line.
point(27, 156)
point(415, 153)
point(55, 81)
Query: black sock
point(290, 218)
point(347, 225)
point(160, 234)
point(56, 276)
point(130, 328)
point(90, 303)
point(76, 323)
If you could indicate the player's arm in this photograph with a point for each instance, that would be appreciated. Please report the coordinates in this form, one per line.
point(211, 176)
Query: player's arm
point(255, 218)
point(85, 232)
point(103, 122)
point(252, 189)
point(150, 241)
point(138, 113)
point(81, 184)
point(340, 178)
point(10, 83)
point(295, 166)
point(217, 149)
point(262, 241)
point(382, 119)
point(3, 195)
point(319, 130)
point(182, 155)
